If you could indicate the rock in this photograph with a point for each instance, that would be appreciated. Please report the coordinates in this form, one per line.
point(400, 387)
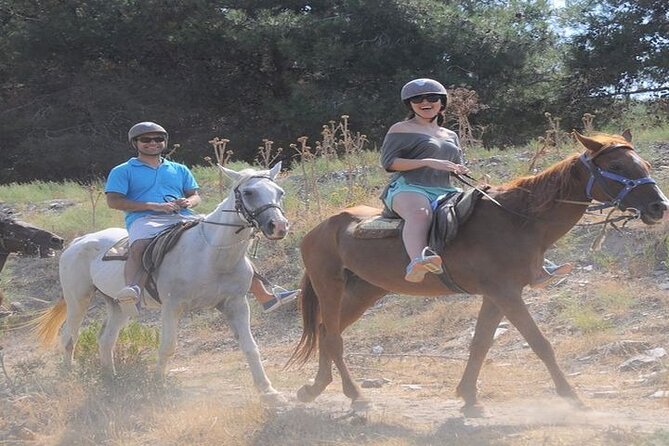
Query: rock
point(377, 349)
point(499, 332)
point(17, 307)
point(650, 359)
point(588, 268)
point(605, 394)
point(660, 394)
point(373, 383)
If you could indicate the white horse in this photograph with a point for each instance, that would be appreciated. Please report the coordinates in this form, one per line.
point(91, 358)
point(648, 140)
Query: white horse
point(207, 267)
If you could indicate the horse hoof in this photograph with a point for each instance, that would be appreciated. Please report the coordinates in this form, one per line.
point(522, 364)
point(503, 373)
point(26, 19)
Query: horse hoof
point(304, 395)
point(473, 411)
point(361, 405)
point(273, 399)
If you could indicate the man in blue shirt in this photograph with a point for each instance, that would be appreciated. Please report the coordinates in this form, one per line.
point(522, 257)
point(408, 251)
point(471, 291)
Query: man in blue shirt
point(138, 187)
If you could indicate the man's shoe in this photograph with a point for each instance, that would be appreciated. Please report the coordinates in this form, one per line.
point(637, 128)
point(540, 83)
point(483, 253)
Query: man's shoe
point(280, 298)
point(127, 299)
point(550, 274)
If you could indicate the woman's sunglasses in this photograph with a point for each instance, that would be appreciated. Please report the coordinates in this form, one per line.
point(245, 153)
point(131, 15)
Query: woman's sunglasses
point(148, 139)
point(432, 97)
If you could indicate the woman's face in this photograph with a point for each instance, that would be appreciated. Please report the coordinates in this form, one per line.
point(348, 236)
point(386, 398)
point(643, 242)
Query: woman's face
point(426, 106)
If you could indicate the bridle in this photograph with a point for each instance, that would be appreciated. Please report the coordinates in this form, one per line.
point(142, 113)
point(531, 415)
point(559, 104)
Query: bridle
point(597, 176)
point(600, 176)
point(250, 216)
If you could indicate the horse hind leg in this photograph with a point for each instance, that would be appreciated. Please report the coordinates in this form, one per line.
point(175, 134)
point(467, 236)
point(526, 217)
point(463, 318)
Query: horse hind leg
point(307, 393)
point(77, 306)
point(108, 336)
point(237, 313)
point(358, 295)
point(487, 321)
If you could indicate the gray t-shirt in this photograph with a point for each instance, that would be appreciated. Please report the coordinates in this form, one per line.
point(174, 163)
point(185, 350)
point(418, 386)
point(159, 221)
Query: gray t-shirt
point(418, 146)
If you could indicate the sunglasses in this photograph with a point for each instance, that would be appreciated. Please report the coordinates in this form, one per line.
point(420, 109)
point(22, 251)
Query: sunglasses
point(148, 139)
point(430, 98)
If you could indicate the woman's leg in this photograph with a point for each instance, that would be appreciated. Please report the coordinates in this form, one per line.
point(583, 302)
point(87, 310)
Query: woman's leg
point(416, 212)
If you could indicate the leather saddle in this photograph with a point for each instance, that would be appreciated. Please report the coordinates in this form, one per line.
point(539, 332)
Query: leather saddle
point(450, 213)
point(154, 253)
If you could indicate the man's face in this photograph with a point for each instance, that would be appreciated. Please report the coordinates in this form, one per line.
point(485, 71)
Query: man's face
point(151, 144)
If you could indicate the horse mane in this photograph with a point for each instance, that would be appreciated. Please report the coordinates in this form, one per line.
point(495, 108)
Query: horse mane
point(539, 191)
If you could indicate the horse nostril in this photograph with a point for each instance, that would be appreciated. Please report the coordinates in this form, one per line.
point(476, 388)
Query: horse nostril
point(657, 208)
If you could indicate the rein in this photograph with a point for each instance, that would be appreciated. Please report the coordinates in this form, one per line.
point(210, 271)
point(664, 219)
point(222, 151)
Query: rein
point(250, 216)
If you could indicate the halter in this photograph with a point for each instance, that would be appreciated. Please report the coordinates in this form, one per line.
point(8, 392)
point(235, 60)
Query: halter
point(599, 175)
point(250, 216)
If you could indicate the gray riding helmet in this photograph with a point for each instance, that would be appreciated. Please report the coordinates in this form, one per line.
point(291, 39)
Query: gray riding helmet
point(418, 87)
point(145, 127)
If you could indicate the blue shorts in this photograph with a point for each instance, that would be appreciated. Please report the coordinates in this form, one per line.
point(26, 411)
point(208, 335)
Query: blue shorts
point(433, 194)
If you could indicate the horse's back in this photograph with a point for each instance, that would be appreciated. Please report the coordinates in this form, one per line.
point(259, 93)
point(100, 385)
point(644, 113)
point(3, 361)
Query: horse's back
point(78, 260)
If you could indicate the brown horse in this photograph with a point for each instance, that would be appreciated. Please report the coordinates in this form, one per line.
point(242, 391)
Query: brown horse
point(494, 255)
point(23, 238)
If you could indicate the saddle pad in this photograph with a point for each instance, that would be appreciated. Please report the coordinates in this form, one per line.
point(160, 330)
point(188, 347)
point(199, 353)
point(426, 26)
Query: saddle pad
point(378, 227)
point(119, 251)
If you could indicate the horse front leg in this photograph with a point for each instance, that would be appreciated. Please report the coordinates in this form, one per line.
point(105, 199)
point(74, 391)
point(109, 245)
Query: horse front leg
point(168, 338)
point(516, 312)
point(486, 324)
point(238, 315)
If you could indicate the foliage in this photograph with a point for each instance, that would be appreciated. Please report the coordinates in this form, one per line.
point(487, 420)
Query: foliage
point(75, 77)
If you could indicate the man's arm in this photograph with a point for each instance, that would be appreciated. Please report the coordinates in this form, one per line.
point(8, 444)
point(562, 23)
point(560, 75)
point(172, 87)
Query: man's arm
point(121, 203)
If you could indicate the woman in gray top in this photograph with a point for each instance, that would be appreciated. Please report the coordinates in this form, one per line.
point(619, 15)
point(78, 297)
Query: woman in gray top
point(421, 153)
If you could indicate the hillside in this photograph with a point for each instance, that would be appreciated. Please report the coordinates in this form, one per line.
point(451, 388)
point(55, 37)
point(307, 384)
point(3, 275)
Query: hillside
point(608, 322)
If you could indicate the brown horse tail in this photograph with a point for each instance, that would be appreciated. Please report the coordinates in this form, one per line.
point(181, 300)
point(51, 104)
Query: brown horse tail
point(48, 323)
point(311, 318)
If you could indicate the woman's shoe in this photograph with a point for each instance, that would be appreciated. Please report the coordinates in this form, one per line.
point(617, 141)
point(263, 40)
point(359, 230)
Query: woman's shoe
point(428, 262)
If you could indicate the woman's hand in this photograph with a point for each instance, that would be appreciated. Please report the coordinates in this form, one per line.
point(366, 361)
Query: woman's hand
point(446, 165)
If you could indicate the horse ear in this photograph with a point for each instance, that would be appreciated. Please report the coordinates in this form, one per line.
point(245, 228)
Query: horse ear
point(627, 134)
point(589, 143)
point(275, 170)
point(234, 176)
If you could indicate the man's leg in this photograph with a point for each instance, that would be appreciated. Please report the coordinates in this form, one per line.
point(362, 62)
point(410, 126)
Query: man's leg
point(270, 301)
point(135, 276)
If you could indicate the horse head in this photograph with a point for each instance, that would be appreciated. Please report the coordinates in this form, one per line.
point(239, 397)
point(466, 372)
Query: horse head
point(258, 200)
point(619, 177)
point(24, 238)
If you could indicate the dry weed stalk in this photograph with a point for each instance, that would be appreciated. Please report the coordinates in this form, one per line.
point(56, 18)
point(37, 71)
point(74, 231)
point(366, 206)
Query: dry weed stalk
point(222, 158)
point(308, 166)
point(553, 140)
point(587, 123)
point(265, 156)
point(94, 194)
point(337, 138)
point(462, 103)
point(169, 154)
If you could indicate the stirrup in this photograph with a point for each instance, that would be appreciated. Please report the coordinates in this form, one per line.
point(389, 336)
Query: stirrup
point(428, 262)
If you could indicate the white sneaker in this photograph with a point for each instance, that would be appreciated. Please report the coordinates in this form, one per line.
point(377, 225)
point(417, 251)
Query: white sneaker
point(127, 299)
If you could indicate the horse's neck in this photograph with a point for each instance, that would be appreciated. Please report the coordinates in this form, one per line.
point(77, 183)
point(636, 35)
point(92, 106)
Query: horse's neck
point(226, 243)
point(567, 207)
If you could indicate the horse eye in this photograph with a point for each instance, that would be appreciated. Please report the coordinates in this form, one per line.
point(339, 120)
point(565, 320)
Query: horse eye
point(248, 193)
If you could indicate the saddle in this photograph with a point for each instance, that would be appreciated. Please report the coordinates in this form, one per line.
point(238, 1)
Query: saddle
point(451, 212)
point(153, 254)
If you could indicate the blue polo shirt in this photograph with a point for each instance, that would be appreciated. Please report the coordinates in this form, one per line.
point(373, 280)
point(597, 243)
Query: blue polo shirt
point(138, 181)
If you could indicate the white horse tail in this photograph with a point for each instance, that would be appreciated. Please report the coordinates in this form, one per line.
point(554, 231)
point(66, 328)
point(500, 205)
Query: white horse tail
point(48, 324)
